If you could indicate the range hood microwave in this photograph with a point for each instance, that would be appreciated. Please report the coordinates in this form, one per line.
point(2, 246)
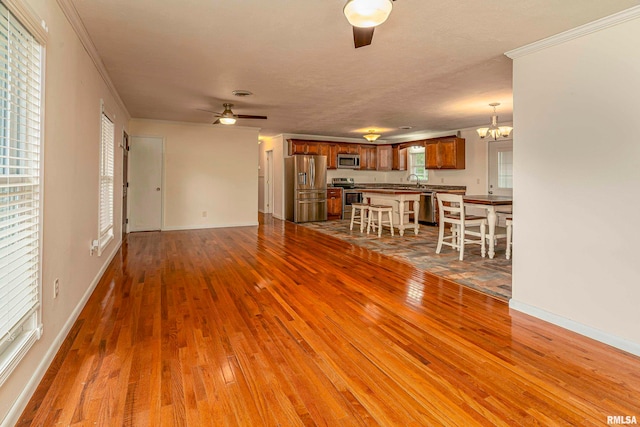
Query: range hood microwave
point(348, 161)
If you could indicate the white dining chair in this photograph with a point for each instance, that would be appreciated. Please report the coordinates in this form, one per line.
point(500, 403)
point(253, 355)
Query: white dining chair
point(452, 213)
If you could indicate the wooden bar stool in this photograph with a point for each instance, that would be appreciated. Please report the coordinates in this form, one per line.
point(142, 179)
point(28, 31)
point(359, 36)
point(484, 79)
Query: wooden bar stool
point(359, 215)
point(509, 223)
point(378, 222)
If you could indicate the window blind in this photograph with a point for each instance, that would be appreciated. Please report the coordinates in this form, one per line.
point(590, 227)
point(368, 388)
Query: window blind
point(20, 136)
point(105, 220)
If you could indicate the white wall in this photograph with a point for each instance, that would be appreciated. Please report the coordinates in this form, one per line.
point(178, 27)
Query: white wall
point(577, 177)
point(206, 168)
point(73, 89)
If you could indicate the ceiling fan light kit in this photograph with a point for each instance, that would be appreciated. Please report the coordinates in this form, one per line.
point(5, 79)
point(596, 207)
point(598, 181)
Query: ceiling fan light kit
point(494, 131)
point(367, 13)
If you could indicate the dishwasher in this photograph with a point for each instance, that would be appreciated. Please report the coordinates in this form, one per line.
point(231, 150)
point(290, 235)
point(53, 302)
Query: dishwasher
point(428, 208)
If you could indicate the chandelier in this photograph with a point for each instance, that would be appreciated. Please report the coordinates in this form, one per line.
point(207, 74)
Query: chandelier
point(495, 131)
point(371, 136)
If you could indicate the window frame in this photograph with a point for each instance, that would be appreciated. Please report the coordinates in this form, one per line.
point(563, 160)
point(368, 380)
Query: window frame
point(24, 333)
point(106, 234)
point(413, 167)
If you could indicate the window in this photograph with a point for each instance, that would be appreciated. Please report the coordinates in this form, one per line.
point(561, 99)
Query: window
point(20, 190)
point(105, 219)
point(505, 169)
point(417, 163)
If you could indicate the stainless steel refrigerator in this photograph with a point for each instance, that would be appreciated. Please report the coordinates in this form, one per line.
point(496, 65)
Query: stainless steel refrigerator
point(306, 188)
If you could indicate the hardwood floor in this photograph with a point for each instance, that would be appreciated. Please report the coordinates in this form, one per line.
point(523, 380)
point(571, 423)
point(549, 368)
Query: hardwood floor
point(281, 325)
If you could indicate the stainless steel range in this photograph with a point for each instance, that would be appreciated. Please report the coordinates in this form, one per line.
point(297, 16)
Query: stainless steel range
point(350, 194)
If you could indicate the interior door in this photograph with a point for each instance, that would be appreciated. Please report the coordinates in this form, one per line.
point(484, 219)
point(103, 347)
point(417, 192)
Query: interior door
point(145, 183)
point(501, 168)
point(269, 183)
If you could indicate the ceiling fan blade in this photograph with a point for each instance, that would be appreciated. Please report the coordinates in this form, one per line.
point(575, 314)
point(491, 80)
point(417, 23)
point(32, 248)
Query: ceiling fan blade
point(209, 111)
point(244, 116)
point(216, 122)
point(362, 36)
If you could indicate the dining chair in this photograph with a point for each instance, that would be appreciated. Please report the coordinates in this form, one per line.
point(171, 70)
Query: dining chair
point(452, 212)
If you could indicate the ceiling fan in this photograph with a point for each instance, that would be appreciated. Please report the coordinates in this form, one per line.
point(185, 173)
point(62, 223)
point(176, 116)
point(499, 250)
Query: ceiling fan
point(364, 16)
point(227, 117)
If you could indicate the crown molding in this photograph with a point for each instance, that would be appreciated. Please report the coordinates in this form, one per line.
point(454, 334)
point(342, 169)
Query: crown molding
point(29, 19)
point(73, 17)
point(583, 30)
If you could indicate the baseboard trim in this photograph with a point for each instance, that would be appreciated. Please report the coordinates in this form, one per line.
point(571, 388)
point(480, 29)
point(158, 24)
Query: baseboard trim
point(204, 227)
point(587, 331)
point(27, 392)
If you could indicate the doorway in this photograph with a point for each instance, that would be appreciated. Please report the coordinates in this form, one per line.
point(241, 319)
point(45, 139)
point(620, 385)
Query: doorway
point(268, 200)
point(501, 168)
point(145, 183)
point(125, 181)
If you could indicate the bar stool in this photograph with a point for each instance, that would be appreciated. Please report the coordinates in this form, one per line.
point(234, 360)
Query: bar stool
point(509, 223)
point(380, 210)
point(359, 214)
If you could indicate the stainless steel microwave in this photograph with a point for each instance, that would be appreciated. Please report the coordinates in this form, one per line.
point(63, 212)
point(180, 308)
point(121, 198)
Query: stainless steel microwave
point(348, 161)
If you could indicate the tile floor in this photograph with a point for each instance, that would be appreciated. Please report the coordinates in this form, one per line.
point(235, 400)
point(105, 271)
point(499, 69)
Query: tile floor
point(492, 276)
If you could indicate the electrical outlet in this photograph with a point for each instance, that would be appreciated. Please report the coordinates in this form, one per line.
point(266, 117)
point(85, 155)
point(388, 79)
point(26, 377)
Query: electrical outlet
point(204, 214)
point(56, 288)
point(441, 180)
point(478, 181)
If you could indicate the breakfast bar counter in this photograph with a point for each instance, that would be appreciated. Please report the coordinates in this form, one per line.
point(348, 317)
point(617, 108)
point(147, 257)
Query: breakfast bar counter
point(404, 202)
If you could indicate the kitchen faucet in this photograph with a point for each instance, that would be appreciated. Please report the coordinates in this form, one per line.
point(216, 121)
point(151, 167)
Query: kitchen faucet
point(417, 179)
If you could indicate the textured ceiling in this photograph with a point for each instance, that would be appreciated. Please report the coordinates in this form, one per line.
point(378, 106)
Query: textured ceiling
point(434, 65)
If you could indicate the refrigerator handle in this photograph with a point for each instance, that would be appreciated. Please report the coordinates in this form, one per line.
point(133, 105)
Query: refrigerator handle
point(313, 171)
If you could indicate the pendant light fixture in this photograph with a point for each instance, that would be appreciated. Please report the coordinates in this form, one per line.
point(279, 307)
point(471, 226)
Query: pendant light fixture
point(367, 13)
point(371, 136)
point(495, 131)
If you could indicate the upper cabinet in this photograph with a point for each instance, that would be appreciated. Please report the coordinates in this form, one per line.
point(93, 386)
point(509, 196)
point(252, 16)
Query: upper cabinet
point(445, 153)
point(348, 148)
point(368, 157)
point(399, 158)
point(384, 156)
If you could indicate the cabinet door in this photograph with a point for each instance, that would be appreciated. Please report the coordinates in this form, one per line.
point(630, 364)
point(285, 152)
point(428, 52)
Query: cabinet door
point(368, 157)
point(313, 148)
point(332, 157)
point(399, 159)
point(432, 158)
point(334, 203)
point(297, 147)
point(447, 151)
point(384, 158)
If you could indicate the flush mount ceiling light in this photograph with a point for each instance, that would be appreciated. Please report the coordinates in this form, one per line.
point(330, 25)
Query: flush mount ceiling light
point(371, 136)
point(367, 13)
point(495, 131)
point(242, 93)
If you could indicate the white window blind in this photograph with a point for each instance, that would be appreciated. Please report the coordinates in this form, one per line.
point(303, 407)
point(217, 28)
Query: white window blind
point(105, 220)
point(20, 186)
point(417, 163)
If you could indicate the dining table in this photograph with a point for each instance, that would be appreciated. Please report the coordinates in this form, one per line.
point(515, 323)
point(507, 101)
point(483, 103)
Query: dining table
point(489, 202)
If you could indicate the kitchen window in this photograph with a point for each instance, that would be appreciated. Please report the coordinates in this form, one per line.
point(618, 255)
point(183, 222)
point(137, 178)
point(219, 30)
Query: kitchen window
point(105, 216)
point(20, 184)
point(417, 163)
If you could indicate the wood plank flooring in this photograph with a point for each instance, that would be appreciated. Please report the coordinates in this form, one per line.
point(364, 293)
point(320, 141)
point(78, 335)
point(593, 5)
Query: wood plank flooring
point(279, 325)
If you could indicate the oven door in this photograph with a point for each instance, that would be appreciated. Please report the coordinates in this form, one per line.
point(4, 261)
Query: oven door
point(349, 197)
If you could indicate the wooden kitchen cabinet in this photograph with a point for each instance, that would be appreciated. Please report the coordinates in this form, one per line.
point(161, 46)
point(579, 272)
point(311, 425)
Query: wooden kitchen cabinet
point(399, 158)
point(331, 151)
point(334, 203)
point(368, 156)
point(303, 147)
point(446, 153)
point(348, 148)
point(384, 156)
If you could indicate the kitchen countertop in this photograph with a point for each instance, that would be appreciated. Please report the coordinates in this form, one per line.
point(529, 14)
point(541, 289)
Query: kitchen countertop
point(392, 191)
